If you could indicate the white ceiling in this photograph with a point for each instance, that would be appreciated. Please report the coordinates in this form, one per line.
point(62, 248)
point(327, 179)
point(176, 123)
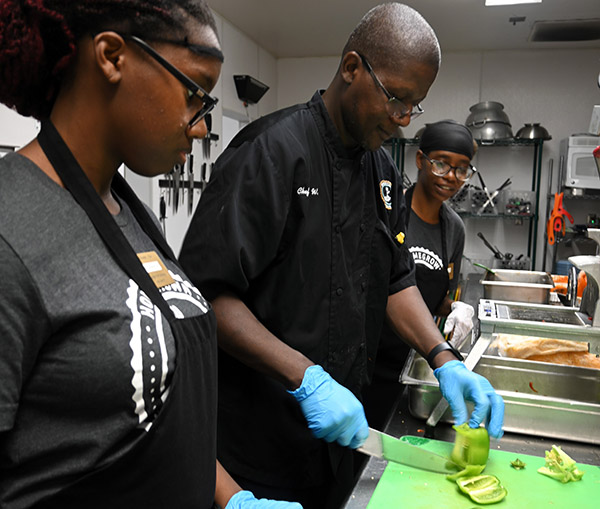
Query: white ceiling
point(313, 28)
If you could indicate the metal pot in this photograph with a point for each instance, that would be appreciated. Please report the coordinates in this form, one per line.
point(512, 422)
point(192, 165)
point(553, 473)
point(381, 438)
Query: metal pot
point(532, 132)
point(491, 131)
point(486, 111)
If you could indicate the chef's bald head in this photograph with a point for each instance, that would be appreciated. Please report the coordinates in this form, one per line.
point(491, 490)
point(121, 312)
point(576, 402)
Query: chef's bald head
point(392, 35)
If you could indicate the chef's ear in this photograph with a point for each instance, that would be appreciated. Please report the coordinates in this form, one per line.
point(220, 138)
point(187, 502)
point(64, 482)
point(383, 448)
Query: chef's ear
point(350, 65)
point(420, 159)
point(109, 49)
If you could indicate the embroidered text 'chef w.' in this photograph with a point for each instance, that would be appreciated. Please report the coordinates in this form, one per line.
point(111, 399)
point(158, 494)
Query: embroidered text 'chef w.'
point(156, 269)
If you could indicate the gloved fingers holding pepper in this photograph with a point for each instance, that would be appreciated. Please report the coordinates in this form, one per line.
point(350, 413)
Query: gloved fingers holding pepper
point(458, 384)
point(332, 411)
point(460, 320)
point(246, 500)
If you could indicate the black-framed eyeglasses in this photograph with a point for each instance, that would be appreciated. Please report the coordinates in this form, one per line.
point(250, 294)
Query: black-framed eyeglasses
point(441, 168)
point(208, 102)
point(394, 106)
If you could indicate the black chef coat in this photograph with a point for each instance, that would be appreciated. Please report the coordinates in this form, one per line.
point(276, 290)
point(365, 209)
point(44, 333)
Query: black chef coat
point(310, 237)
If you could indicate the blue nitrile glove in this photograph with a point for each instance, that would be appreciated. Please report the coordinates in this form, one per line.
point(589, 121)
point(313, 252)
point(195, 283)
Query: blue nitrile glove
point(458, 384)
point(332, 411)
point(246, 500)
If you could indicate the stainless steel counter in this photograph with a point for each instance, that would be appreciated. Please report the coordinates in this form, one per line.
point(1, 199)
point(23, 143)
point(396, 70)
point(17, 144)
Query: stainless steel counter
point(403, 423)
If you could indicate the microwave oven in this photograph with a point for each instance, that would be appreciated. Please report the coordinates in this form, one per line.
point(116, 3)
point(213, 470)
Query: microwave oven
point(577, 161)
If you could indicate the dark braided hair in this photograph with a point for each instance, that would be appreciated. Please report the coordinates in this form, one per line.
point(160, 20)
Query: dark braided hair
point(38, 39)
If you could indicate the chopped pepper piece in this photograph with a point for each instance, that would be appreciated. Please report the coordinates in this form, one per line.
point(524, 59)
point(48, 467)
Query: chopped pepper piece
point(468, 471)
point(517, 464)
point(471, 446)
point(560, 466)
point(483, 489)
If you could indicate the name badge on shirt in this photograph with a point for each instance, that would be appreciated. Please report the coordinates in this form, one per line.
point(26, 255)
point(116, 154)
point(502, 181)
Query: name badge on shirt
point(156, 268)
point(451, 270)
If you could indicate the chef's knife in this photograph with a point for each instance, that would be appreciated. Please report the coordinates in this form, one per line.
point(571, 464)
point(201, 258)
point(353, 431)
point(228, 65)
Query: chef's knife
point(389, 448)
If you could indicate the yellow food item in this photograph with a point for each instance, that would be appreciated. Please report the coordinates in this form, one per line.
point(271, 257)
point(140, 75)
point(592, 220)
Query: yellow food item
point(581, 359)
point(556, 351)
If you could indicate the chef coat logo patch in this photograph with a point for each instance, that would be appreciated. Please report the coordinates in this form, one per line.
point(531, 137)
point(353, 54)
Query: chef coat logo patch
point(423, 256)
point(385, 191)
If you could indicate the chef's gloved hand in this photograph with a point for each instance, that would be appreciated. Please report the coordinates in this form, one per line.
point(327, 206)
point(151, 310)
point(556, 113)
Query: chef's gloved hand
point(246, 500)
point(461, 320)
point(458, 384)
point(332, 411)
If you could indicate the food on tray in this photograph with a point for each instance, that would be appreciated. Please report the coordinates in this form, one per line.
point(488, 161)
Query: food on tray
point(556, 351)
point(580, 359)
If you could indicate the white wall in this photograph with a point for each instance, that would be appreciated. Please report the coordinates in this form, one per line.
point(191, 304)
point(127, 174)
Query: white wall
point(556, 88)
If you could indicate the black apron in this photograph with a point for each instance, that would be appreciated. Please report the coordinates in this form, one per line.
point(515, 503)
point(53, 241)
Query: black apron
point(173, 465)
point(433, 284)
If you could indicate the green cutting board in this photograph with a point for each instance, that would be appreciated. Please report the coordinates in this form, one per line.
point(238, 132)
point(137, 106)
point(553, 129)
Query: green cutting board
point(403, 487)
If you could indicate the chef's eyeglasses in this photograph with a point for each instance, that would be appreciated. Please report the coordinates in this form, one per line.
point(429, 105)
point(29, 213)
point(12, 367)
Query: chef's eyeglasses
point(394, 106)
point(441, 168)
point(193, 89)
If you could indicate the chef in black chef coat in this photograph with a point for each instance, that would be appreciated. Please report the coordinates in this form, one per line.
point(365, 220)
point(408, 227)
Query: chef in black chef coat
point(298, 241)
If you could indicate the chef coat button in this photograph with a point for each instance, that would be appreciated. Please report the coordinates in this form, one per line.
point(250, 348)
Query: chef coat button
point(338, 165)
point(362, 227)
point(338, 228)
point(339, 291)
point(363, 285)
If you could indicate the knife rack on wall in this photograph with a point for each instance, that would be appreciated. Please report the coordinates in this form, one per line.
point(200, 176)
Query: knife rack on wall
point(180, 188)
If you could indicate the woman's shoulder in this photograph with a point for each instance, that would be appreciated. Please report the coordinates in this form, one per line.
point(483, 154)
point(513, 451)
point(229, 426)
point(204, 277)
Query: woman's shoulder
point(452, 219)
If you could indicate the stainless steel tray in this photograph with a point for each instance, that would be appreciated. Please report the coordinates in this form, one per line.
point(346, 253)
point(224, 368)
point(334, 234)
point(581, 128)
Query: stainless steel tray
point(540, 398)
point(518, 285)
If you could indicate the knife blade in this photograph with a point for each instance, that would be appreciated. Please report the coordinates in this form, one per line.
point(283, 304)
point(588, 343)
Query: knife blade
point(389, 448)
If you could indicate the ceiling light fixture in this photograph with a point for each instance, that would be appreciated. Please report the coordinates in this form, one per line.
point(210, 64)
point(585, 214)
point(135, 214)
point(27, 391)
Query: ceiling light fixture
point(492, 3)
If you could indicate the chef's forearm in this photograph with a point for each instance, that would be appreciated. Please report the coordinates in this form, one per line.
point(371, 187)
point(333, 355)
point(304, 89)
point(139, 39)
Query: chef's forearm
point(242, 336)
point(410, 318)
point(225, 486)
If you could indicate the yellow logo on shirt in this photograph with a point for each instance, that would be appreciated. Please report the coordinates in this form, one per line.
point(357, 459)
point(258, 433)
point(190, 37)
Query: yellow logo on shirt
point(400, 238)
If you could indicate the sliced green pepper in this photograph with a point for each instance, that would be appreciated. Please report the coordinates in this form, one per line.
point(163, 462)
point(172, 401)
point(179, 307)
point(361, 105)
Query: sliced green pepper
point(471, 446)
point(482, 489)
point(468, 471)
point(560, 466)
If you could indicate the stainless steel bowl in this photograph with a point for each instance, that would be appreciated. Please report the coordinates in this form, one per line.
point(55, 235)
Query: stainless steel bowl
point(532, 132)
point(486, 111)
point(491, 131)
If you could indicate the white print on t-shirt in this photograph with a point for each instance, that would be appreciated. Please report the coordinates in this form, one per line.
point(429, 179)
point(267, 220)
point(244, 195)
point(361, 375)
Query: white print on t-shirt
point(423, 256)
point(150, 358)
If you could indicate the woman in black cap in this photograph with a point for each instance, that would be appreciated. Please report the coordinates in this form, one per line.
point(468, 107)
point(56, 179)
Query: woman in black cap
point(435, 237)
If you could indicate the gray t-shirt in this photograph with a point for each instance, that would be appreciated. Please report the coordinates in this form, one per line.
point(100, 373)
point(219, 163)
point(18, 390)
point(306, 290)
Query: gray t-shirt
point(85, 357)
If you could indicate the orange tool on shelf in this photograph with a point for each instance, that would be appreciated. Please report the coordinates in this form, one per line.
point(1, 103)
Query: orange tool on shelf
point(556, 223)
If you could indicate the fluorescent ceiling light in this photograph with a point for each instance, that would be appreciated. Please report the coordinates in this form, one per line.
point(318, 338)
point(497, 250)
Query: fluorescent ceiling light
point(490, 3)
